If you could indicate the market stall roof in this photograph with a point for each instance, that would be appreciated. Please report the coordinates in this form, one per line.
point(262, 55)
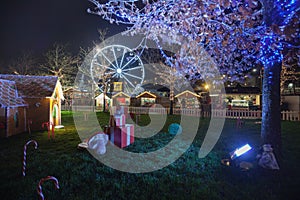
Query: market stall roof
point(100, 96)
point(146, 95)
point(120, 94)
point(187, 93)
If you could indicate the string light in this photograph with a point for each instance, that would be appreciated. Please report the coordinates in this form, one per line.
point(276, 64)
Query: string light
point(234, 35)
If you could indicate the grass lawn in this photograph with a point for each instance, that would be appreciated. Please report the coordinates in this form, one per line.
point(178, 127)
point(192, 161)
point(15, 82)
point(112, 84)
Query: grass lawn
point(81, 176)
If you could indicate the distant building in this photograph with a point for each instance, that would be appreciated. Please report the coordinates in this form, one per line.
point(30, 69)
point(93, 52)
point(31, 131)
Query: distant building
point(188, 99)
point(99, 102)
point(249, 94)
point(120, 99)
point(146, 99)
point(77, 97)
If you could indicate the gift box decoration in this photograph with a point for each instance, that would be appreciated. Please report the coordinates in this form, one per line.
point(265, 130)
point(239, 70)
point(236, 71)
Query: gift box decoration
point(120, 120)
point(118, 110)
point(122, 136)
point(106, 129)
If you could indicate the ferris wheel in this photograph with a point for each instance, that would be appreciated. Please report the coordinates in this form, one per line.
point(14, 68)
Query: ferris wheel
point(118, 63)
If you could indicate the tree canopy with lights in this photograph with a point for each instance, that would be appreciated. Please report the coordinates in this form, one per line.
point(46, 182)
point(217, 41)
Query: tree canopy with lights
point(237, 34)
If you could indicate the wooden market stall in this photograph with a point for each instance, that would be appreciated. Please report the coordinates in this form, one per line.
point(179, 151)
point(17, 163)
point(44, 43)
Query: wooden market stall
point(120, 99)
point(99, 102)
point(188, 99)
point(146, 99)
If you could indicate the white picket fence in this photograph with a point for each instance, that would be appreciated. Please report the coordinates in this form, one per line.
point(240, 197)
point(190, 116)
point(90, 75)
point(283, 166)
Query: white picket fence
point(197, 112)
point(232, 114)
point(290, 115)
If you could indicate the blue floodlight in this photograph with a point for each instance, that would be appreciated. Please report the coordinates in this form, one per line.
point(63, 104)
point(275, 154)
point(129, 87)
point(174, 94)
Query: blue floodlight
point(240, 151)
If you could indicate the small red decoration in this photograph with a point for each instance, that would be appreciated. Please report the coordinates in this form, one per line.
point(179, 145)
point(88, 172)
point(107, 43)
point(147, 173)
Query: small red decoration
point(49, 125)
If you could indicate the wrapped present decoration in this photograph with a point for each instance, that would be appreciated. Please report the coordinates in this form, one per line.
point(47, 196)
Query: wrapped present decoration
point(122, 136)
point(122, 110)
point(117, 110)
point(120, 119)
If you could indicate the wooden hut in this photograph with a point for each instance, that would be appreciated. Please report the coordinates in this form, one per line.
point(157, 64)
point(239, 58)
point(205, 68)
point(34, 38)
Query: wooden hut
point(12, 110)
point(43, 94)
point(146, 99)
point(188, 99)
point(99, 102)
point(120, 99)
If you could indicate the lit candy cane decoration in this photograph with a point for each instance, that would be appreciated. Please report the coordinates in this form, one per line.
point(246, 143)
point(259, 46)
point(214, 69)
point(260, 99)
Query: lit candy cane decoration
point(39, 188)
point(49, 124)
point(24, 158)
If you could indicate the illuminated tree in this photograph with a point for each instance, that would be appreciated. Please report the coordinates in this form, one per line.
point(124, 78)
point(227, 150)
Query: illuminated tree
point(59, 62)
point(171, 78)
point(237, 34)
point(288, 73)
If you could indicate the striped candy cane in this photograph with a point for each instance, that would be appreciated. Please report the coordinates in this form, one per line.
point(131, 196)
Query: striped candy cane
point(24, 152)
point(39, 188)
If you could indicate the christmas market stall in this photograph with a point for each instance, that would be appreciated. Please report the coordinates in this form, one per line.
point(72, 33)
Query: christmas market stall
point(188, 99)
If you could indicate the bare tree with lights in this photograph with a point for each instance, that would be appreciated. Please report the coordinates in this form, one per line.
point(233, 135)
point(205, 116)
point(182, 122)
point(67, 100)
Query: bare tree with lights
point(171, 78)
point(237, 34)
point(59, 62)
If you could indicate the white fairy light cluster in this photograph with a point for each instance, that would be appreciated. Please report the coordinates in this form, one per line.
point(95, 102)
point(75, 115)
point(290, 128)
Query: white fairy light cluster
point(232, 32)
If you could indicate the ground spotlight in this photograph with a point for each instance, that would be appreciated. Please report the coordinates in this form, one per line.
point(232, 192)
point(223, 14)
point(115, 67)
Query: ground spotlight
point(240, 151)
point(237, 153)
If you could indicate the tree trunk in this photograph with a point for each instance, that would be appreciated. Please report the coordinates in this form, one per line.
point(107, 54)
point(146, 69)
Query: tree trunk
point(104, 95)
point(104, 102)
point(171, 97)
point(171, 107)
point(271, 111)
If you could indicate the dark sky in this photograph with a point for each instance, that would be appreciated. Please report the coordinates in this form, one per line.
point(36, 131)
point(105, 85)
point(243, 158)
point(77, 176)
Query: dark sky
point(35, 25)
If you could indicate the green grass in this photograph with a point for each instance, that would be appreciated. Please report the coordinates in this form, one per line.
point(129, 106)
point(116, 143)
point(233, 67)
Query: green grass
point(81, 176)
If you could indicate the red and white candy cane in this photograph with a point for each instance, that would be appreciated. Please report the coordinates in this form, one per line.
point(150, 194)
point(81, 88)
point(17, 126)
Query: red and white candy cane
point(24, 158)
point(49, 124)
point(39, 188)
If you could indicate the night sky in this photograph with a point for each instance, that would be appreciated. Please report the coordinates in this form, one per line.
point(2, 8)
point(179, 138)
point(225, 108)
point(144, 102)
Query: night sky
point(35, 25)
